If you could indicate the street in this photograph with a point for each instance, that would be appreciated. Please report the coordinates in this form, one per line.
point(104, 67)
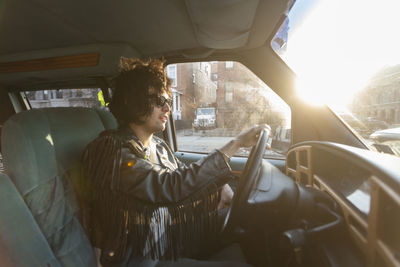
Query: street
point(204, 142)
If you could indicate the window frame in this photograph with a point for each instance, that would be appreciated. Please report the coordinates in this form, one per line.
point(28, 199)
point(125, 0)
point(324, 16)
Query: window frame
point(175, 138)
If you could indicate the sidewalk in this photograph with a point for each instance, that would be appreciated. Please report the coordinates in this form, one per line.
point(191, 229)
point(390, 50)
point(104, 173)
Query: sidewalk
point(217, 132)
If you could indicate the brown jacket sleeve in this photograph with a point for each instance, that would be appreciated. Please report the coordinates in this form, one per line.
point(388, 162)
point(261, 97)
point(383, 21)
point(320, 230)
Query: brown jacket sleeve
point(157, 184)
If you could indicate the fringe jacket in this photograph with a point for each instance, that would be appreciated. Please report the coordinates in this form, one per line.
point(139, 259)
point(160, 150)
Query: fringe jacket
point(160, 211)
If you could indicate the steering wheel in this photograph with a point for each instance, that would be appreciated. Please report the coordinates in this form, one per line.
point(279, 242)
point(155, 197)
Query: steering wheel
point(246, 182)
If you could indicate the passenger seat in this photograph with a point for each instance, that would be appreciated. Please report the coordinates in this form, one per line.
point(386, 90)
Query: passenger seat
point(42, 150)
point(22, 242)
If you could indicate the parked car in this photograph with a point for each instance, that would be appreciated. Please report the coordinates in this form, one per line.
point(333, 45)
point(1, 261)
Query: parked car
point(387, 141)
point(374, 124)
point(329, 200)
point(205, 118)
point(392, 134)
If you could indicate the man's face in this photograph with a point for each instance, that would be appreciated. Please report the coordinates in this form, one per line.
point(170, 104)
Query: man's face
point(157, 120)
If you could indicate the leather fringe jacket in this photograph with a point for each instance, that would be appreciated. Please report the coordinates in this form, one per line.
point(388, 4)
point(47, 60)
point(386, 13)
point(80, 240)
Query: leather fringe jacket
point(161, 211)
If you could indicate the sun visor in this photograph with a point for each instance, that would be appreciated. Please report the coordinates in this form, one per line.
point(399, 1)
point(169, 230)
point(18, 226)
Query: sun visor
point(61, 65)
point(224, 24)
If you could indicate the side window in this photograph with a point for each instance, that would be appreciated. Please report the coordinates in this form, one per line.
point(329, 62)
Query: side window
point(229, 64)
point(91, 97)
point(215, 101)
point(171, 72)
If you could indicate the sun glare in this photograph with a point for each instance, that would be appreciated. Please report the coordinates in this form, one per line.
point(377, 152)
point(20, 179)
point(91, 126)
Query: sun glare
point(339, 45)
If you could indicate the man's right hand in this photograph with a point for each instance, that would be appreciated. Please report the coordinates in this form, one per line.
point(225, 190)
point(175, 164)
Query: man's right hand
point(246, 138)
point(250, 136)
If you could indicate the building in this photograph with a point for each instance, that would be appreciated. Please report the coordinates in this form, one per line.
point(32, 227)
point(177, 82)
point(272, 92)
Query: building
point(64, 98)
point(191, 88)
point(381, 98)
point(237, 86)
point(225, 86)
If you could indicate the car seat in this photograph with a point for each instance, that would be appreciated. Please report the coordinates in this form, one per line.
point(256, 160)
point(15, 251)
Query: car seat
point(22, 243)
point(41, 150)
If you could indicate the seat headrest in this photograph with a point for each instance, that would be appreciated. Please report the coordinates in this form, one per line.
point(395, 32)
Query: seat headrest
point(45, 141)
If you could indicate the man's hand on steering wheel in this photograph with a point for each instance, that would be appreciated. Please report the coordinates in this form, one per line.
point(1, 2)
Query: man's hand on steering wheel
point(257, 137)
point(226, 197)
point(247, 138)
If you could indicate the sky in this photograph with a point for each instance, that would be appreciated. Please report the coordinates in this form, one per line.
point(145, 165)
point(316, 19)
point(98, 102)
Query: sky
point(335, 46)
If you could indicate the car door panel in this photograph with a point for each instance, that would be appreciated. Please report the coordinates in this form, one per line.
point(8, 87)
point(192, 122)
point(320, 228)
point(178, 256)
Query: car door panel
point(237, 163)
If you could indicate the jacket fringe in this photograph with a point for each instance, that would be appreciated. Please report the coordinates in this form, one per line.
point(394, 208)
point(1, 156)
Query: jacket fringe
point(114, 220)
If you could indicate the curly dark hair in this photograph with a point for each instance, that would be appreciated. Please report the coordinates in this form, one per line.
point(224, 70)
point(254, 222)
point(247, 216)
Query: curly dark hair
point(136, 86)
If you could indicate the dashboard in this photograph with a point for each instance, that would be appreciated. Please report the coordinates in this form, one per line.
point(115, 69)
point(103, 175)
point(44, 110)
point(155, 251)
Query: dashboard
point(366, 186)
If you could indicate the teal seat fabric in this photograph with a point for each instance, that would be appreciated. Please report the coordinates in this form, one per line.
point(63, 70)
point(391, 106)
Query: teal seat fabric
point(21, 240)
point(42, 150)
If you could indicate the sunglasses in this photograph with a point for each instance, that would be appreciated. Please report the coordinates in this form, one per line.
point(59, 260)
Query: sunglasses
point(161, 100)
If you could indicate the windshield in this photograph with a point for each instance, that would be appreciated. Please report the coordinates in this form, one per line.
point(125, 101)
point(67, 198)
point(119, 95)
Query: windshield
point(205, 111)
point(346, 55)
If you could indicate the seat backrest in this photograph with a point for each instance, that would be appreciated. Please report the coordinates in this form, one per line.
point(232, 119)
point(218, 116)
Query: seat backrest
point(42, 150)
point(22, 242)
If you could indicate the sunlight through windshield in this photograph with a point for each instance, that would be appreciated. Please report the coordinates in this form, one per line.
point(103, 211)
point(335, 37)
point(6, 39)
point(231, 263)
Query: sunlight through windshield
point(346, 54)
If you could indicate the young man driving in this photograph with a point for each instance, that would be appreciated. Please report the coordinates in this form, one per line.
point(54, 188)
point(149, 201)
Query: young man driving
point(141, 201)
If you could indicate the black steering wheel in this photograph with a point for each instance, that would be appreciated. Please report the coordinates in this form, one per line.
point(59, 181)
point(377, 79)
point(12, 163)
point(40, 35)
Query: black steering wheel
point(246, 182)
